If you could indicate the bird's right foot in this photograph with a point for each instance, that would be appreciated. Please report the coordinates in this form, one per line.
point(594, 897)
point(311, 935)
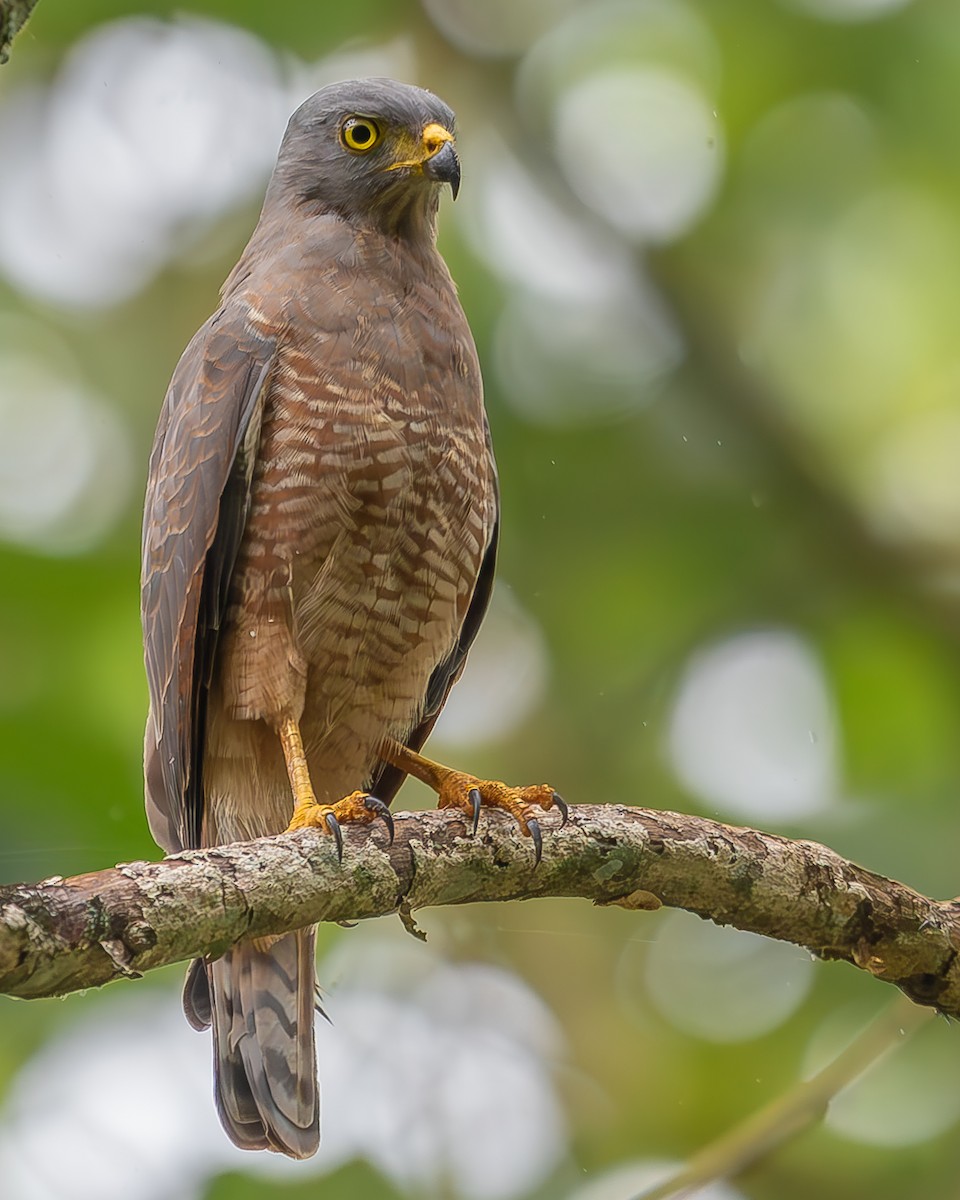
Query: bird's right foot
point(358, 808)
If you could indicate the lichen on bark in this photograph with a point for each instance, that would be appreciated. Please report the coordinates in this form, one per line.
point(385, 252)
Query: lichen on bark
point(65, 934)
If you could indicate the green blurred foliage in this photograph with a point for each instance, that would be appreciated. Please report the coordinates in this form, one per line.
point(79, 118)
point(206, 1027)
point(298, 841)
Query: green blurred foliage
point(816, 295)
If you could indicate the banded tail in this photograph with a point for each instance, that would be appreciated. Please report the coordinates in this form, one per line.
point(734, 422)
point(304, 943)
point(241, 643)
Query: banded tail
point(261, 1005)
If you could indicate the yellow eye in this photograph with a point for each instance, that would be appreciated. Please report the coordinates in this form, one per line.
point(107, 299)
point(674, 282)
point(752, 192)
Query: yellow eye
point(359, 134)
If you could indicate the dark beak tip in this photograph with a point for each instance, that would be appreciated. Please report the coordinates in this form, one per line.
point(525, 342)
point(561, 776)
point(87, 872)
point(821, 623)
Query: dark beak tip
point(444, 167)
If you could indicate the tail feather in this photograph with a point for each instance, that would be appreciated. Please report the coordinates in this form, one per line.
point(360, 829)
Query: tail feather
point(196, 996)
point(261, 1003)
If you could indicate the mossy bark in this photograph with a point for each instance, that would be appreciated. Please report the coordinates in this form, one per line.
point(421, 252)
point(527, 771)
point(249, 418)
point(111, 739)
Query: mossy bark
point(65, 934)
point(13, 17)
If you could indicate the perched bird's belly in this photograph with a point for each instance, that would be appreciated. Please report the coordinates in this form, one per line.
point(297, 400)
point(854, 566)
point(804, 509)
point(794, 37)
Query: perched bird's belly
point(353, 579)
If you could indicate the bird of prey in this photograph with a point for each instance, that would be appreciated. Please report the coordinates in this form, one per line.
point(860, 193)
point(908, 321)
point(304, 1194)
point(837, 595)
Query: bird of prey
point(318, 551)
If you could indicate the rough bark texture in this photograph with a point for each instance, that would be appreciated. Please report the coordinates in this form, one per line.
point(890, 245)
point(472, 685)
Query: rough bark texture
point(61, 935)
point(13, 17)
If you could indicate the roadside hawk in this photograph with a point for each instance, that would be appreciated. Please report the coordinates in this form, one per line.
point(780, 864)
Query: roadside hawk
point(318, 552)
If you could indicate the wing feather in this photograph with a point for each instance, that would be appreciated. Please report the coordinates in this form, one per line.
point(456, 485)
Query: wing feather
point(198, 496)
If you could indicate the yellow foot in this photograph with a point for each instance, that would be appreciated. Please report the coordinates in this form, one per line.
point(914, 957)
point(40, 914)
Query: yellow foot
point(458, 790)
point(466, 792)
point(356, 809)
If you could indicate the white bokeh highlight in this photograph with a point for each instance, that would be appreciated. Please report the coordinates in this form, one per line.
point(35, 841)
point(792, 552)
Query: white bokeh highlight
point(642, 147)
point(906, 1097)
point(427, 1065)
point(610, 35)
point(565, 365)
point(149, 134)
point(721, 984)
point(66, 464)
point(753, 732)
point(583, 336)
point(123, 1093)
point(632, 1179)
point(150, 131)
point(522, 233)
point(495, 28)
point(848, 10)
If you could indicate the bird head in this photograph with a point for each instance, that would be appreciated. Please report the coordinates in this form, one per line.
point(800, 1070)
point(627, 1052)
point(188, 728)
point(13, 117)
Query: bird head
point(373, 151)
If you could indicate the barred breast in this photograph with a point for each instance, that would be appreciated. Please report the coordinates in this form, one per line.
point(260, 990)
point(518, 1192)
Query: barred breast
point(372, 504)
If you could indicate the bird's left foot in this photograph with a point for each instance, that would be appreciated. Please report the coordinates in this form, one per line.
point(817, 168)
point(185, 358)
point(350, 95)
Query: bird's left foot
point(470, 794)
point(459, 790)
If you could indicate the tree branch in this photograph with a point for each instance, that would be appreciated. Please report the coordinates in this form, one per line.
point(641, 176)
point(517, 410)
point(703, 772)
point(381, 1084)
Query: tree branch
point(62, 935)
point(13, 17)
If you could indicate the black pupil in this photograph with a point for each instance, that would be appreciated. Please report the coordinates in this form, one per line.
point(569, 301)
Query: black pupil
point(361, 134)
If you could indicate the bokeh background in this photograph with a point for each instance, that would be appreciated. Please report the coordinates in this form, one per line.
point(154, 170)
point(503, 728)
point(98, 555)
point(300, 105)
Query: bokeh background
point(711, 254)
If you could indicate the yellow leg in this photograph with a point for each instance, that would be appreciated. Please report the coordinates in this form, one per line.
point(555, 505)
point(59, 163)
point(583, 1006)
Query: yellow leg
point(456, 789)
point(356, 809)
point(297, 769)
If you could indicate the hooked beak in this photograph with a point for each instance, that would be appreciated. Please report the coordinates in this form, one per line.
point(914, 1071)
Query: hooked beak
point(444, 166)
point(436, 157)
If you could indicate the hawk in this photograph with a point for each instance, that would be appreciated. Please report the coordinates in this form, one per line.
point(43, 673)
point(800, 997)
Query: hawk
point(319, 540)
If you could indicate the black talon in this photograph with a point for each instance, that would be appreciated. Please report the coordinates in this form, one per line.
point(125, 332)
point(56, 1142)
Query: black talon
point(334, 826)
point(534, 826)
point(386, 816)
point(561, 804)
point(475, 802)
point(318, 1003)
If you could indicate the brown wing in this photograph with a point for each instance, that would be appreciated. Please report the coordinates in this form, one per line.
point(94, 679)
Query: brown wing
point(386, 783)
point(197, 501)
